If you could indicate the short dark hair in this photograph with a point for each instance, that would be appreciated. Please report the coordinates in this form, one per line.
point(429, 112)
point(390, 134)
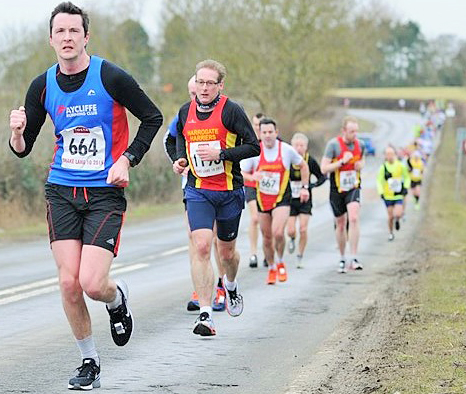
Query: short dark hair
point(259, 115)
point(67, 7)
point(268, 121)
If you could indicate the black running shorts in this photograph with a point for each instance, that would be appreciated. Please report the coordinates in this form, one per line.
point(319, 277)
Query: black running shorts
point(93, 215)
point(300, 208)
point(415, 184)
point(250, 193)
point(339, 201)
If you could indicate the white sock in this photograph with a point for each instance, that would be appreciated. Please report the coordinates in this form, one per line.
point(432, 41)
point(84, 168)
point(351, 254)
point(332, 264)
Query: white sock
point(229, 285)
point(207, 309)
point(117, 301)
point(273, 266)
point(87, 348)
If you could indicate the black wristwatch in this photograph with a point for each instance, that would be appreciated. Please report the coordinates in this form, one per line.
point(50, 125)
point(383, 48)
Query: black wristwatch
point(131, 158)
point(221, 155)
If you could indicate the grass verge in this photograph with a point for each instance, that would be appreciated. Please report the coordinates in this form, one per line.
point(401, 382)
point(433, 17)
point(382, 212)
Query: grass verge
point(414, 93)
point(430, 355)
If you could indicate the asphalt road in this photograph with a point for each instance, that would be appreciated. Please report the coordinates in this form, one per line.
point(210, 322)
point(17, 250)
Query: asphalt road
point(262, 351)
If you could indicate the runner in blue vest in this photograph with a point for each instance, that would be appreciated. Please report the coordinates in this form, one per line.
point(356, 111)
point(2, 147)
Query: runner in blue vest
point(85, 96)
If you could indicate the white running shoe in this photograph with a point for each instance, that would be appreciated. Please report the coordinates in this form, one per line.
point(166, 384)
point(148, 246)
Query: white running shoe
point(235, 303)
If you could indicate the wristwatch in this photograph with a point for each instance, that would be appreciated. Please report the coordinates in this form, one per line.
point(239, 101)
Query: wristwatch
point(131, 158)
point(306, 187)
point(221, 155)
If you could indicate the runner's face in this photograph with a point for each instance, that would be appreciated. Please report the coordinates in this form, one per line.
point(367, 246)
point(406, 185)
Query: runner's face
point(67, 37)
point(390, 155)
point(206, 93)
point(268, 135)
point(300, 146)
point(255, 125)
point(350, 131)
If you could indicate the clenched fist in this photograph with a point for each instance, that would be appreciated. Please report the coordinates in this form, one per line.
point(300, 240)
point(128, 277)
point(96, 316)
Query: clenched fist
point(18, 121)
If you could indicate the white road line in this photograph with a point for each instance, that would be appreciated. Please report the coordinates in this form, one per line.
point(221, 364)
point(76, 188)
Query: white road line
point(174, 251)
point(50, 285)
point(29, 294)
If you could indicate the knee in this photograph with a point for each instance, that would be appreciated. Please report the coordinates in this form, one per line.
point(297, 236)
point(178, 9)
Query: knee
point(227, 254)
point(70, 288)
point(202, 248)
point(254, 220)
point(303, 231)
point(278, 236)
point(353, 220)
point(93, 288)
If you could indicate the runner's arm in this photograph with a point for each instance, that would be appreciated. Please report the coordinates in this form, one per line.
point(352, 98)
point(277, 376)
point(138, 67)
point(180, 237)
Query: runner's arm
point(406, 178)
point(315, 170)
point(169, 140)
point(381, 180)
point(235, 119)
point(327, 165)
point(35, 115)
point(247, 169)
point(126, 91)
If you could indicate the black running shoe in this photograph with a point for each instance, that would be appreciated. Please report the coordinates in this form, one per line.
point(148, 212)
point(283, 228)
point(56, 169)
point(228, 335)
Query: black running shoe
point(88, 376)
point(253, 261)
point(204, 325)
point(397, 225)
point(121, 319)
point(265, 263)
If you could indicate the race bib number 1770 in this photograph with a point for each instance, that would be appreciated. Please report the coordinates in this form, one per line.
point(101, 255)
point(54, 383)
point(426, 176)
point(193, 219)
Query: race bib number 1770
point(205, 168)
point(83, 148)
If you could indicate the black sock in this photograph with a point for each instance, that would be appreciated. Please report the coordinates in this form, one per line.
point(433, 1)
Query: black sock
point(220, 282)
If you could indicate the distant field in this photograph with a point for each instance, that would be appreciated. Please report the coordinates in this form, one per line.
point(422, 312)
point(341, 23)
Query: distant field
point(421, 93)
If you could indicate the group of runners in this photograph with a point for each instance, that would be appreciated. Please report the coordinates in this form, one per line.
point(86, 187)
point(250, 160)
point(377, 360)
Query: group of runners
point(403, 168)
point(225, 162)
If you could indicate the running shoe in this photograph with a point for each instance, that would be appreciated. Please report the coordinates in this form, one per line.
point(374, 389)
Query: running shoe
point(282, 275)
point(342, 267)
point(391, 237)
point(299, 261)
point(291, 246)
point(265, 263)
point(356, 265)
point(121, 319)
point(218, 305)
point(193, 304)
point(204, 325)
point(253, 261)
point(272, 277)
point(397, 225)
point(87, 376)
point(235, 303)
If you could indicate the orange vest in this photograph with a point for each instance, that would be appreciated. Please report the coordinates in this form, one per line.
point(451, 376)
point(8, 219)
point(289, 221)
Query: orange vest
point(215, 174)
point(274, 182)
point(346, 177)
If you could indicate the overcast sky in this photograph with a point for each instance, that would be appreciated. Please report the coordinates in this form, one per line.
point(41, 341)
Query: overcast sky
point(434, 16)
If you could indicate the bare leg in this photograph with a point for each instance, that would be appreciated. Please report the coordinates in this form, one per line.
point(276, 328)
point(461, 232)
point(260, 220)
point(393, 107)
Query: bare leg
point(353, 218)
point(201, 267)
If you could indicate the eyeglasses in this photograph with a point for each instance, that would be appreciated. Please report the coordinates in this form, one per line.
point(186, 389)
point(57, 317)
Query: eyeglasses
point(209, 84)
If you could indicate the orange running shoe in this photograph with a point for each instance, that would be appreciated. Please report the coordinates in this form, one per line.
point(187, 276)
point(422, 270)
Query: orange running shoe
point(272, 278)
point(282, 275)
point(193, 304)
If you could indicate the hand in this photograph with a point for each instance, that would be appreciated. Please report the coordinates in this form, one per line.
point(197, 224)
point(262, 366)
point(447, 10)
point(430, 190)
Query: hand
point(358, 165)
point(180, 165)
point(185, 171)
point(304, 195)
point(206, 153)
point(18, 121)
point(257, 176)
point(118, 174)
point(347, 156)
